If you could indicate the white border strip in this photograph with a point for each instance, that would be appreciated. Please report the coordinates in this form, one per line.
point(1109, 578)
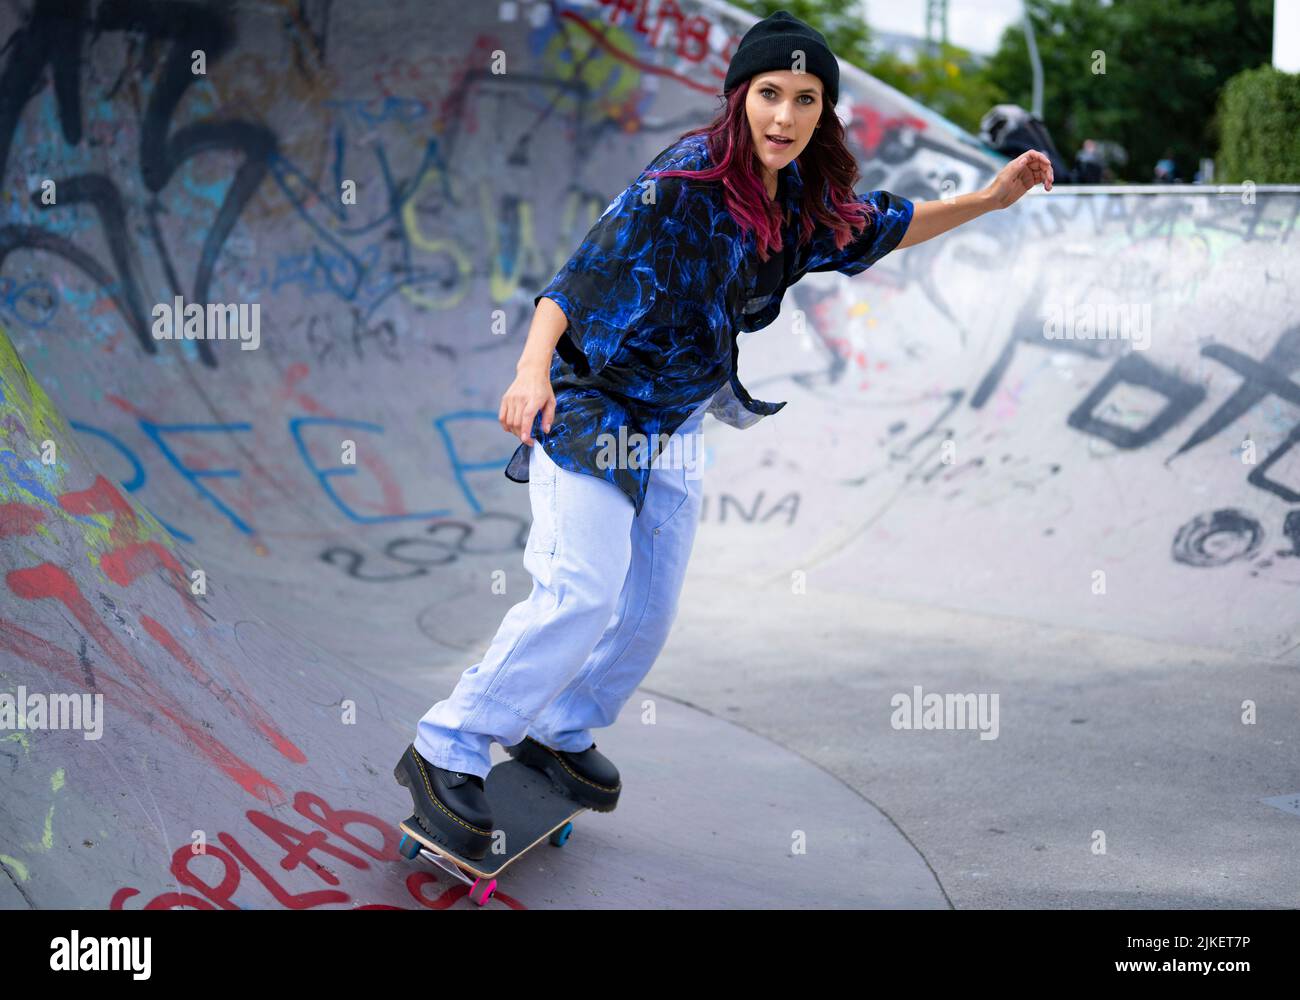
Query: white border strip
point(1202, 189)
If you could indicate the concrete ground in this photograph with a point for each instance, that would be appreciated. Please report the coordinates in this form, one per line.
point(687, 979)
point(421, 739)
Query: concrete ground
point(1097, 732)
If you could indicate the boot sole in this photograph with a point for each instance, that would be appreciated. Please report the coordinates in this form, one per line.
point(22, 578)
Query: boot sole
point(452, 842)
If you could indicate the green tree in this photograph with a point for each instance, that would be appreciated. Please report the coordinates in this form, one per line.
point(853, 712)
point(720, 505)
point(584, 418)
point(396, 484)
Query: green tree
point(1164, 64)
point(1259, 125)
point(949, 83)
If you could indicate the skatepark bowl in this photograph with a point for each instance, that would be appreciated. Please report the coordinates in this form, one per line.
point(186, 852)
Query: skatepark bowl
point(1047, 461)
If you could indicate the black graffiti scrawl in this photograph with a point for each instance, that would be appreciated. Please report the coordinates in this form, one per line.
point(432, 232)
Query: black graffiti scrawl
point(162, 38)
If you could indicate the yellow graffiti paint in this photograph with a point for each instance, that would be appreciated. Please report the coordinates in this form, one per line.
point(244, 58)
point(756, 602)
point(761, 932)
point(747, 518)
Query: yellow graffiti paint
point(607, 79)
point(503, 286)
point(16, 866)
point(47, 835)
point(25, 399)
point(37, 419)
point(427, 245)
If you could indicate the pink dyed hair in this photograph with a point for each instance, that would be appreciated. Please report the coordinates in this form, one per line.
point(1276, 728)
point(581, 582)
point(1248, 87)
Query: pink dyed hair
point(826, 166)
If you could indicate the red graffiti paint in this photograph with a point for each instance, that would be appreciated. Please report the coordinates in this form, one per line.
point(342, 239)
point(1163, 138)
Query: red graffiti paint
point(244, 706)
point(127, 563)
point(102, 497)
point(289, 391)
point(124, 405)
point(869, 127)
point(314, 808)
point(220, 893)
point(235, 858)
point(19, 519)
point(599, 37)
point(124, 564)
point(416, 882)
point(166, 901)
point(299, 846)
point(292, 901)
point(51, 582)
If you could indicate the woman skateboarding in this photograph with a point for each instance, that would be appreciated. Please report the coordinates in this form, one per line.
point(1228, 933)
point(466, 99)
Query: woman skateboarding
point(631, 343)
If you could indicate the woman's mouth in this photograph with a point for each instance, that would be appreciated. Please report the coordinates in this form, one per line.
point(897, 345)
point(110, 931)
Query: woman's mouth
point(778, 141)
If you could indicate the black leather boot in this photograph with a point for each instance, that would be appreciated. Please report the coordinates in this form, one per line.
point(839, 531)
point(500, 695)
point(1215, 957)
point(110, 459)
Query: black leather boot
point(587, 776)
point(450, 806)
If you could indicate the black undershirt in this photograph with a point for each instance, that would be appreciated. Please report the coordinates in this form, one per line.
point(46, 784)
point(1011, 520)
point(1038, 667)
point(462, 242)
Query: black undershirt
point(769, 274)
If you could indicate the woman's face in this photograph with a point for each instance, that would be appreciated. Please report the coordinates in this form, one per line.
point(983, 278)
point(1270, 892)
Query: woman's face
point(782, 104)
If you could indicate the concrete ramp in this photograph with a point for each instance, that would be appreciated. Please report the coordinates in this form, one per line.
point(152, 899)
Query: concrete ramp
point(391, 189)
point(181, 528)
point(223, 759)
point(1080, 412)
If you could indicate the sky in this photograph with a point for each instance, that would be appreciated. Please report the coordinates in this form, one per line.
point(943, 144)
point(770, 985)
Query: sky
point(973, 24)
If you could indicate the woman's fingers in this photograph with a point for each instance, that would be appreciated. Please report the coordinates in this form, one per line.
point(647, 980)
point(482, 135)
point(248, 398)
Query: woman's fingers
point(526, 423)
point(1046, 176)
point(1040, 170)
point(520, 406)
point(1021, 174)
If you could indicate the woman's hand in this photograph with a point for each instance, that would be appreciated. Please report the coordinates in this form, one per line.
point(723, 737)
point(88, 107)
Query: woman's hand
point(529, 392)
point(1018, 176)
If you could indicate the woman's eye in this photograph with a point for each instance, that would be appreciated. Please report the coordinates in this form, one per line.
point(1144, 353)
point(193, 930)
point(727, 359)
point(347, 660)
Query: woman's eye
point(769, 93)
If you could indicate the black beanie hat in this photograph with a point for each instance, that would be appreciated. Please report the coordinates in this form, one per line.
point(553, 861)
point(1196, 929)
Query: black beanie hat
point(771, 44)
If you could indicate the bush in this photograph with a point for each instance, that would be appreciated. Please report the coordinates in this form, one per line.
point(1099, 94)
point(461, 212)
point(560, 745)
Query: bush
point(1259, 128)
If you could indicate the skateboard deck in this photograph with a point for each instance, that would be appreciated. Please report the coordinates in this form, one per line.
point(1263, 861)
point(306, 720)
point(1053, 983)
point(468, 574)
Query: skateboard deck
point(526, 807)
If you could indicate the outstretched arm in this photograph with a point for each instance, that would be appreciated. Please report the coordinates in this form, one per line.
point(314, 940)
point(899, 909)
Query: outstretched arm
point(930, 218)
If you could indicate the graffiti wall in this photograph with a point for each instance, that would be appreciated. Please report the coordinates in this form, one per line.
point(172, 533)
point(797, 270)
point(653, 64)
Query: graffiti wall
point(1080, 411)
point(391, 209)
point(379, 194)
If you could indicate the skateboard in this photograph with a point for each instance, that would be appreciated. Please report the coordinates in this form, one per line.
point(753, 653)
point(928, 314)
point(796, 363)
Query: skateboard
point(526, 807)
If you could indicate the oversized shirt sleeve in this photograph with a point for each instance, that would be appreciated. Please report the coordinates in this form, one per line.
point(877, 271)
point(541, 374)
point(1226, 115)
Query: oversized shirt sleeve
point(885, 228)
point(626, 263)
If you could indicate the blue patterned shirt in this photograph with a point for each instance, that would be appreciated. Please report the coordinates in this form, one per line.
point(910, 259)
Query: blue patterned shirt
point(654, 297)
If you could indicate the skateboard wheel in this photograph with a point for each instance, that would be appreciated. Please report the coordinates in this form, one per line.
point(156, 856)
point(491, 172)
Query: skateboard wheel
point(562, 834)
point(481, 891)
point(408, 847)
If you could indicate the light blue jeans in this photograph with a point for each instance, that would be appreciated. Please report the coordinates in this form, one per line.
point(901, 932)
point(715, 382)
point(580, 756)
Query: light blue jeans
point(605, 587)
